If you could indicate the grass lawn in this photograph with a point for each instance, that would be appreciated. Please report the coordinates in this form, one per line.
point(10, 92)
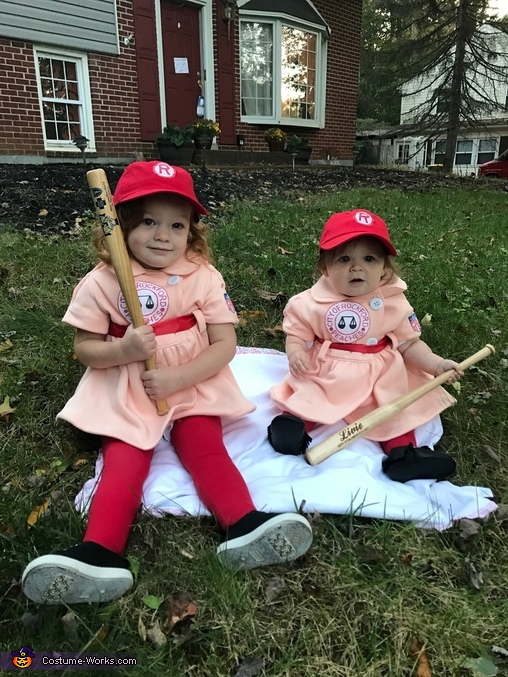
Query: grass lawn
point(371, 598)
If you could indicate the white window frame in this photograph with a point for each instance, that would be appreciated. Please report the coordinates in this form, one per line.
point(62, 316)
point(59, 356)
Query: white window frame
point(321, 61)
point(85, 96)
point(494, 142)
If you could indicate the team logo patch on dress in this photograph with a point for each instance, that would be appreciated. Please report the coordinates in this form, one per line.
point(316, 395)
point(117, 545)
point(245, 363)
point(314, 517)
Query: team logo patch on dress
point(347, 321)
point(413, 321)
point(229, 303)
point(154, 301)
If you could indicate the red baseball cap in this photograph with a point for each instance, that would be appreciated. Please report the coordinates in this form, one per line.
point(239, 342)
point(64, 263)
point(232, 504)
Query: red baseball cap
point(146, 178)
point(345, 226)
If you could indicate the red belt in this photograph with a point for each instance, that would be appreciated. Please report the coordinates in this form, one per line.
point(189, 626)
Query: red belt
point(171, 326)
point(359, 347)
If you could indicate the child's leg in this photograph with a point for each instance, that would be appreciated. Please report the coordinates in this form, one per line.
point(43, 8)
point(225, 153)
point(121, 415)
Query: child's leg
point(94, 570)
point(200, 446)
point(254, 538)
point(118, 495)
point(406, 461)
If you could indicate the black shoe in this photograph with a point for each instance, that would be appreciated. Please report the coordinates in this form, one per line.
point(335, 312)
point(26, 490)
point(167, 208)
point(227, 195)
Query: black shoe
point(417, 463)
point(260, 539)
point(87, 572)
point(287, 435)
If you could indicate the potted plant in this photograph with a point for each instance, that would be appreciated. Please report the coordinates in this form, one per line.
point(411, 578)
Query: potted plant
point(300, 148)
point(175, 144)
point(204, 132)
point(276, 139)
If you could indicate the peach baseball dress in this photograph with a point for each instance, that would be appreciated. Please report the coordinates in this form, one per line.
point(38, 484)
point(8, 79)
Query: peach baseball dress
point(112, 402)
point(348, 385)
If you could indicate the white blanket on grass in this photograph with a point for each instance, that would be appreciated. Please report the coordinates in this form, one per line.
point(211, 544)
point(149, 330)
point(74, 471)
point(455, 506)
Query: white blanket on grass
point(349, 482)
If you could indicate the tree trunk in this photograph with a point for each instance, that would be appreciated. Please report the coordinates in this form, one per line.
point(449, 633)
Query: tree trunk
point(452, 130)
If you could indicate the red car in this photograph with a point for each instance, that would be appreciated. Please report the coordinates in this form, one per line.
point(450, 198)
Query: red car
point(497, 168)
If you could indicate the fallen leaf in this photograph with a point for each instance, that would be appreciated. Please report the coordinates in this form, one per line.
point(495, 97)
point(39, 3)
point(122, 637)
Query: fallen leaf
point(483, 667)
point(156, 636)
point(468, 528)
point(38, 512)
point(141, 629)
point(5, 408)
point(475, 574)
point(5, 345)
point(274, 331)
point(70, 629)
point(488, 450)
point(97, 641)
point(457, 387)
point(152, 601)
point(250, 667)
point(274, 588)
point(422, 662)
point(426, 320)
point(43, 212)
point(178, 610)
point(274, 296)
point(284, 251)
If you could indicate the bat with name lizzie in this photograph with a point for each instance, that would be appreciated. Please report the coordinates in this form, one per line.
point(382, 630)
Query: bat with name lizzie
point(359, 428)
point(115, 243)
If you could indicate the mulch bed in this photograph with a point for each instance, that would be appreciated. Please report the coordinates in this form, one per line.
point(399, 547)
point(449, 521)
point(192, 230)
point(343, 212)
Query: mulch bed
point(48, 198)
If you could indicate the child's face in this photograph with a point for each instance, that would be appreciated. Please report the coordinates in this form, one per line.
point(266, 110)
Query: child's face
point(161, 237)
point(358, 267)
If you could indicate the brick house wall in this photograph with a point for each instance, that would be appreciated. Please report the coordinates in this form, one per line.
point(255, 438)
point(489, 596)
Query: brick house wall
point(114, 91)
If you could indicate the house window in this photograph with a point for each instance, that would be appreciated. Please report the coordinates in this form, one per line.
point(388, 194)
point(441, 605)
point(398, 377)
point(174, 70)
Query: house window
point(439, 152)
point(403, 153)
point(486, 150)
point(281, 66)
point(443, 101)
point(464, 152)
point(65, 100)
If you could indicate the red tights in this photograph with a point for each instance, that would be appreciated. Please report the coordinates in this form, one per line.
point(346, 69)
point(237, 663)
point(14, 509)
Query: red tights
point(199, 444)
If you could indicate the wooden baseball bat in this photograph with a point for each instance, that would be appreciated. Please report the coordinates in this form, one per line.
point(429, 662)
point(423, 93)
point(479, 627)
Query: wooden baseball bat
point(113, 236)
point(344, 437)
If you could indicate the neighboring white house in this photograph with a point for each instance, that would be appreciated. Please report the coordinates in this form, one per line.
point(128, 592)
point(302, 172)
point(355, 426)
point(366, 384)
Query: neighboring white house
point(409, 145)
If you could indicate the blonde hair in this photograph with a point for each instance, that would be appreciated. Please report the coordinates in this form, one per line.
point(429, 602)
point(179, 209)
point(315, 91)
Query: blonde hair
point(327, 257)
point(130, 215)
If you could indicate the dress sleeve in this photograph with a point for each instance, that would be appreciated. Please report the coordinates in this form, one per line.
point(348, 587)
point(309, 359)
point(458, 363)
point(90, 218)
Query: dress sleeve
point(409, 327)
point(294, 323)
point(217, 307)
point(87, 310)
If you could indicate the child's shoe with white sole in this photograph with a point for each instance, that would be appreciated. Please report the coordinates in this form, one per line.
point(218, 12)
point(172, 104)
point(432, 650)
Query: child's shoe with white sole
point(87, 572)
point(261, 539)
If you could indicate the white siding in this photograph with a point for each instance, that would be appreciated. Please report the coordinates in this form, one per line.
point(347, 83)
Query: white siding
point(89, 26)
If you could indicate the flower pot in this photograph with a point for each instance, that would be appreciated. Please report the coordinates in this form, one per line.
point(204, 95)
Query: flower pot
point(276, 146)
point(175, 155)
point(203, 142)
point(303, 155)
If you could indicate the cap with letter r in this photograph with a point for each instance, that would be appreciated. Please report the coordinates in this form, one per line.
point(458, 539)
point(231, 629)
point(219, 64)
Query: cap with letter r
point(147, 178)
point(345, 226)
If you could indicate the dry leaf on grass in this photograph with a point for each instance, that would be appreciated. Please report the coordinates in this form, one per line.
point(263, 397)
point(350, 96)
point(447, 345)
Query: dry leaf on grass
point(156, 636)
point(422, 662)
point(274, 588)
point(274, 296)
point(70, 629)
point(250, 667)
point(275, 331)
point(38, 512)
point(178, 610)
point(5, 408)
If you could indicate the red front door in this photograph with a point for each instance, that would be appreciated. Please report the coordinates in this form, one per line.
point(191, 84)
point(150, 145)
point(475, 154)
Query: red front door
point(182, 61)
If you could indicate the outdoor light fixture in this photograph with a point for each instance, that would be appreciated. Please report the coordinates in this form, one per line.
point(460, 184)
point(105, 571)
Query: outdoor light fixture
point(81, 143)
point(228, 12)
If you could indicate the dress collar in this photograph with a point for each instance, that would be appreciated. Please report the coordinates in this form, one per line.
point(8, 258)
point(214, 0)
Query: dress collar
point(183, 266)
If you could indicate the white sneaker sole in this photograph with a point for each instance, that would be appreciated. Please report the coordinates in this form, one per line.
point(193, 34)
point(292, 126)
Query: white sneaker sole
point(281, 539)
point(56, 579)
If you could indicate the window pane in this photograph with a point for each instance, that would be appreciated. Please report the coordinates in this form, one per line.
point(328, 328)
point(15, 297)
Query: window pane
point(256, 68)
point(464, 146)
point(463, 159)
point(298, 85)
point(59, 86)
point(484, 157)
point(488, 145)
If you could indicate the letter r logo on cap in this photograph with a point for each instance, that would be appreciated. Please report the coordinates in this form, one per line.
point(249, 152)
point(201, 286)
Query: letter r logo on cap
point(164, 170)
point(364, 219)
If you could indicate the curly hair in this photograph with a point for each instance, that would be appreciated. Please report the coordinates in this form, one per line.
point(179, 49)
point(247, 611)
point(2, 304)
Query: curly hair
point(327, 256)
point(130, 215)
